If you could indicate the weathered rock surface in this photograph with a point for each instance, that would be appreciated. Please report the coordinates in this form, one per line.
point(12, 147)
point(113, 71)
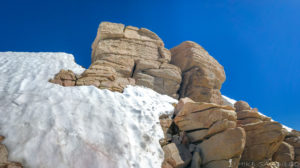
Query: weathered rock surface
point(103, 76)
point(263, 137)
point(127, 56)
point(138, 54)
point(64, 78)
point(202, 74)
point(223, 146)
point(213, 129)
point(285, 155)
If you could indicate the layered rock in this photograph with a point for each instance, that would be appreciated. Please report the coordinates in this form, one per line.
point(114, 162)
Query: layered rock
point(64, 78)
point(127, 56)
point(263, 136)
point(139, 54)
point(104, 76)
point(202, 75)
point(211, 127)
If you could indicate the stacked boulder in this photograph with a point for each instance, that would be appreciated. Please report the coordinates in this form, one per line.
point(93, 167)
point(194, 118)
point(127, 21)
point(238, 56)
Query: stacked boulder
point(263, 136)
point(128, 55)
point(205, 131)
point(209, 131)
point(136, 53)
point(202, 75)
point(4, 163)
point(64, 78)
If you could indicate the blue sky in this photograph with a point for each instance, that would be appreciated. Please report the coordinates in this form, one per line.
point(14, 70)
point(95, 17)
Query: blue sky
point(258, 42)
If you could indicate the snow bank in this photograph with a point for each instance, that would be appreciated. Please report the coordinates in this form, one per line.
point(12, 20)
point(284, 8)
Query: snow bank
point(231, 102)
point(47, 125)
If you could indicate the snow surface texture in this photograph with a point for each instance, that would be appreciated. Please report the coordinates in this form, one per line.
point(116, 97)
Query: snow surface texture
point(47, 125)
point(229, 101)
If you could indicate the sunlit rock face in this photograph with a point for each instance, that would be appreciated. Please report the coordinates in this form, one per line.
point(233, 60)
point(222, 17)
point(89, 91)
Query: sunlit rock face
point(136, 53)
point(202, 75)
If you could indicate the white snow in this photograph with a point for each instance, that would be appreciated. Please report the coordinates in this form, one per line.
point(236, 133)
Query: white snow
point(231, 102)
point(47, 125)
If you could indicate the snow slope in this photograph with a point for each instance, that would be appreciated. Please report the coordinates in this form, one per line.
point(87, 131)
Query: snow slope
point(47, 125)
point(231, 102)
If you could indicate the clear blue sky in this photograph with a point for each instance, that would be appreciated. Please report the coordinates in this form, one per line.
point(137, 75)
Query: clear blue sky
point(258, 42)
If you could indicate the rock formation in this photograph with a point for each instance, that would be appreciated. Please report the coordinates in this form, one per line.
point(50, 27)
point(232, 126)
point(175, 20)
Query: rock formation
point(202, 74)
point(204, 131)
point(139, 54)
point(124, 56)
point(263, 136)
point(208, 128)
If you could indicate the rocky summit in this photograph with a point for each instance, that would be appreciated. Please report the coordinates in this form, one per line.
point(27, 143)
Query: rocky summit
point(205, 130)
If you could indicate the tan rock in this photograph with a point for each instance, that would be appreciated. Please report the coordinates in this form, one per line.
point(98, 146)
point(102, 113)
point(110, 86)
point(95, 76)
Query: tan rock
point(135, 53)
point(241, 105)
point(127, 48)
point(243, 114)
point(192, 87)
point(64, 78)
point(248, 121)
point(220, 126)
point(165, 124)
point(198, 135)
point(284, 154)
point(201, 72)
point(166, 165)
point(182, 103)
point(146, 64)
point(173, 156)
point(123, 65)
point(263, 140)
point(228, 144)
point(204, 117)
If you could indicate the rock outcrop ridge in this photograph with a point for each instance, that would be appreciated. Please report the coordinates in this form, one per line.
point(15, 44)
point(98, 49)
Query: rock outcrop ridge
point(204, 132)
point(128, 56)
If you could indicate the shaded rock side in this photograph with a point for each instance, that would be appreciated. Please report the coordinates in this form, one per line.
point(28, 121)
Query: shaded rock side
point(285, 155)
point(202, 75)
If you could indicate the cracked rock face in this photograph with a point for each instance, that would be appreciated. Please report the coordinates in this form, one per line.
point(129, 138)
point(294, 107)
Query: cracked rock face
point(263, 136)
point(211, 128)
point(202, 75)
point(136, 53)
